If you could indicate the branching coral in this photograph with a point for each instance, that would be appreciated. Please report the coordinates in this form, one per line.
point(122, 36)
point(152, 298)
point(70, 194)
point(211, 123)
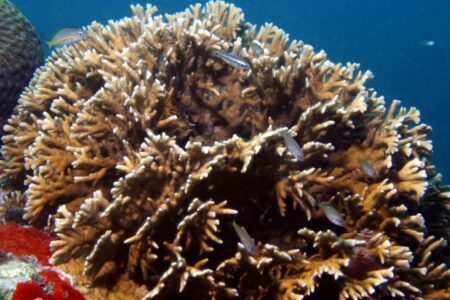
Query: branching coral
point(139, 147)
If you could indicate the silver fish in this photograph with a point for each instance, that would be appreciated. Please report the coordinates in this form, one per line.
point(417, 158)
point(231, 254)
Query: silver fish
point(245, 238)
point(67, 36)
point(231, 59)
point(257, 48)
point(293, 147)
point(367, 168)
point(332, 214)
point(310, 199)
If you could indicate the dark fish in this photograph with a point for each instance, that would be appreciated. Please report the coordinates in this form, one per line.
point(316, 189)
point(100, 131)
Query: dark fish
point(367, 168)
point(245, 238)
point(231, 59)
point(332, 214)
point(293, 147)
point(15, 214)
point(5, 181)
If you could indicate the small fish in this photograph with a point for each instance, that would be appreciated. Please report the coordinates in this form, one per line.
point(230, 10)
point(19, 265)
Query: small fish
point(367, 168)
point(257, 48)
point(332, 214)
point(67, 36)
point(245, 238)
point(310, 199)
point(293, 147)
point(5, 181)
point(231, 59)
point(428, 43)
point(15, 214)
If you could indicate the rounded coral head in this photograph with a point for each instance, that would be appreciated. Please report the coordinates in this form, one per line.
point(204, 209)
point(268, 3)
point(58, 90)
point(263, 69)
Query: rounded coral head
point(20, 55)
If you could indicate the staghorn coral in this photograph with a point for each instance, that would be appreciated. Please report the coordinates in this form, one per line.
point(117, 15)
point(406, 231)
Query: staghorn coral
point(138, 148)
point(20, 55)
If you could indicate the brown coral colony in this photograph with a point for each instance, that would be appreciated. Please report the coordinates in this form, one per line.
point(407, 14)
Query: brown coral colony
point(140, 146)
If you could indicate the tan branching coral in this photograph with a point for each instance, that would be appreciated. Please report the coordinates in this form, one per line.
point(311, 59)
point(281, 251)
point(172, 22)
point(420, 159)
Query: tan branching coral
point(140, 146)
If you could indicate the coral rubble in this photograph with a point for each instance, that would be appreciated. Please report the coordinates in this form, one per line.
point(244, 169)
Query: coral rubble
point(140, 146)
point(20, 55)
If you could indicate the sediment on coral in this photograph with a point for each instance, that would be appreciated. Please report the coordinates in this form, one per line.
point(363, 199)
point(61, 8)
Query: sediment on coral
point(20, 55)
point(140, 146)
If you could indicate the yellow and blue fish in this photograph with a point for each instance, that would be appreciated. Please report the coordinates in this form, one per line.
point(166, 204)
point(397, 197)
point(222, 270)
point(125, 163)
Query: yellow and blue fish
point(67, 36)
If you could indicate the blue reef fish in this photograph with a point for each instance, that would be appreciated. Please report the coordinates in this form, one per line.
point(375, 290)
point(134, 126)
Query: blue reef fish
point(367, 168)
point(67, 36)
point(245, 238)
point(293, 147)
point(332, 214)
point(231, 59)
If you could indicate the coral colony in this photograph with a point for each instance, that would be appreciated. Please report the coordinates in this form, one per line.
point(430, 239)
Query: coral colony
point(143, 146)
point(20, 55)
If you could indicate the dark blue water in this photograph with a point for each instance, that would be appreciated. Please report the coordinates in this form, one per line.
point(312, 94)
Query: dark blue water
point(383, 35)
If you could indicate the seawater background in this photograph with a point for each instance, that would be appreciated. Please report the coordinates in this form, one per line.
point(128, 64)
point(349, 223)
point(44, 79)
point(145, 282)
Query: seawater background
point(382, 35)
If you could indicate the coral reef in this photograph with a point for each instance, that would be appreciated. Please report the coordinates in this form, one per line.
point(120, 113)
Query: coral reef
point(140, 146)
point(20, 55)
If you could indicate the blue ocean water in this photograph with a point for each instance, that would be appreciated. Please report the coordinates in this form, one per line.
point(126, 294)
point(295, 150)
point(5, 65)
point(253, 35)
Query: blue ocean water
point(388, 37)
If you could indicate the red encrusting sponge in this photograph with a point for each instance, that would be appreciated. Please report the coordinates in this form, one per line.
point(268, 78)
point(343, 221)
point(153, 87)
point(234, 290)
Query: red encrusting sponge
point(27, 242)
